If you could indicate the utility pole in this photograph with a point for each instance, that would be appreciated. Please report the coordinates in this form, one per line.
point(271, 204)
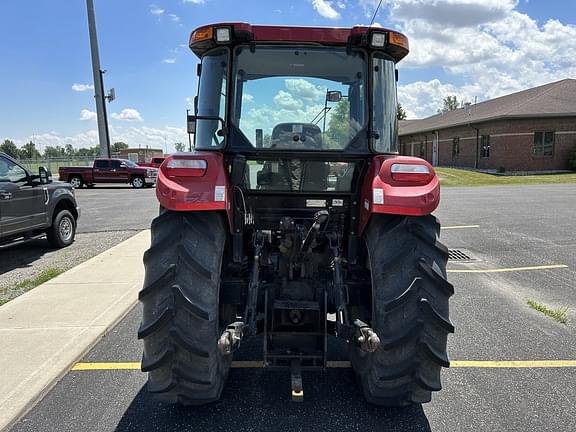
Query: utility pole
point(98, 84)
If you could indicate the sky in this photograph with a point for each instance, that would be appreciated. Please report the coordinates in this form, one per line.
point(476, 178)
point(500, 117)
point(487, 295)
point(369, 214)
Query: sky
point(474, 49)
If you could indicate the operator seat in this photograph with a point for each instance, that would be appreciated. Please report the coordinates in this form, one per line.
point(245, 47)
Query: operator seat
point(295, 174)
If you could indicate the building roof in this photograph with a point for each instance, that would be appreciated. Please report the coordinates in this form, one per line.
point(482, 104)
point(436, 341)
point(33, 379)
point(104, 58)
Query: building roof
point(557, 99)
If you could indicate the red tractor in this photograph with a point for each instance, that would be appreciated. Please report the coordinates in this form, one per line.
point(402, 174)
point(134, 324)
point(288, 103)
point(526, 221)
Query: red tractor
point(295, 219)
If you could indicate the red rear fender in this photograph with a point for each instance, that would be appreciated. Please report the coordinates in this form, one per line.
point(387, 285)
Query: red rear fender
point(399, 185)
point(195, 181)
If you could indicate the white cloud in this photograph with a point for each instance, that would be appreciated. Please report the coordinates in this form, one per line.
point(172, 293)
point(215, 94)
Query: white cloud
point(286, 101)
point(128, 114)
point(174, 17)
point(169, 60)
point(195, 1)
point(82, 87)
point(303, 89)
point(487, 45)
point(246, 97)
point(325, 9)
point(421, 99)
point(86, 115)
point(155, 10)
point(453, 13)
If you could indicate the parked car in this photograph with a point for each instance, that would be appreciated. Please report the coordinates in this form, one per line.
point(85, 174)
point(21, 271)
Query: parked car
point(155, 162)
point(32, 206)
point(109, 171)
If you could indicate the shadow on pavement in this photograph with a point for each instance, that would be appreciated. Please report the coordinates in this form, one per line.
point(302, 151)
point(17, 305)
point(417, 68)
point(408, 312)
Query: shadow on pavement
point(258, 400)
point(22, 255)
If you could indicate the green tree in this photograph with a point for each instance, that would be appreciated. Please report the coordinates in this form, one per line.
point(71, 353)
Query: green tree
point(29, 151)
point(51, 152)
point(69, 150)
point(338, 132)
point(10, 148)
point(180, 147)
point(450, 103)
point(88, 151)
point(401, 113)
point(118, 146)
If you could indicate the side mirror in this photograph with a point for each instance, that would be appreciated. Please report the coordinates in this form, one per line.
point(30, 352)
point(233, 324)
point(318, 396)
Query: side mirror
point(333, 96)
point(122, 165)
point(45, 175)
point(191, 122)
point(193, 119)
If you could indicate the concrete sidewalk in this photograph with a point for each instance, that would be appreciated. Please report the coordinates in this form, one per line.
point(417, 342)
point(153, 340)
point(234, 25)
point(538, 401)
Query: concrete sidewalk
point(45, 331)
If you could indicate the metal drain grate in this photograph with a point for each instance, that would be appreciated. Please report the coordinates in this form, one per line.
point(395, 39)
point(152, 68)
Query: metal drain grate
point(458, 255)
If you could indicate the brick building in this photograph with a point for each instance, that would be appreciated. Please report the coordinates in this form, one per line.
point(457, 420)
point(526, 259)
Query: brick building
point(532, 130)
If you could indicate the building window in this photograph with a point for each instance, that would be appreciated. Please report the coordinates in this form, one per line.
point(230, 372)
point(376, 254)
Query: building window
point(455, 147)
point(485, 146)
point(543, 144)
point(422, 150)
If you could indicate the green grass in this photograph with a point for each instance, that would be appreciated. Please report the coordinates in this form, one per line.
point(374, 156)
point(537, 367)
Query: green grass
point(10, 292)
point(45, 276)
point(557, 314)
point(459, 177)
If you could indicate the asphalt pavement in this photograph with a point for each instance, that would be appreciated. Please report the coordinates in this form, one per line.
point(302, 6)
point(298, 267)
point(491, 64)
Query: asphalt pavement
point(511, 234)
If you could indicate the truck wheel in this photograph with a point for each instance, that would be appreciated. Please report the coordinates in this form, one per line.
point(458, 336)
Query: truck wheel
point(76, 182)
point(137, 182)
point(63, 229)
point(180, 324)
point(409, 311)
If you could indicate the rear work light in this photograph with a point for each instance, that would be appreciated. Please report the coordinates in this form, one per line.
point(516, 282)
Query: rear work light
point(186, 167)
point(414, 173)
point(223, 35)
point(378, 40)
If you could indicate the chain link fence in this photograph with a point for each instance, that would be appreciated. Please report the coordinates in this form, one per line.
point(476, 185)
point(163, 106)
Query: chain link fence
point(54, 163)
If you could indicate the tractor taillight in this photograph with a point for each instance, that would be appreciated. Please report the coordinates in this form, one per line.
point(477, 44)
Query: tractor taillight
point(186, 167)
point(414, 173)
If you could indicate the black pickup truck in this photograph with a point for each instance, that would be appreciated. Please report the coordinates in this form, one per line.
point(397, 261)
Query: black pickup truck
point(32, 206)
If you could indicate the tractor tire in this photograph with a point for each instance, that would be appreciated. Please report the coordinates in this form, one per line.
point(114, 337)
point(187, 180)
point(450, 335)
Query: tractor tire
point(180, 298)
point(409, 311)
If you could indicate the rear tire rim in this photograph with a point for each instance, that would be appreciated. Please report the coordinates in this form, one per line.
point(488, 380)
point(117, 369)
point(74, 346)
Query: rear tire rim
point(66, 229)
point(137, 182)
point(75, 182)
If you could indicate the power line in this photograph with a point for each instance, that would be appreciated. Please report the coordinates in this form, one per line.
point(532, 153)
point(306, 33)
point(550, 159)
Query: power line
point(375, 13)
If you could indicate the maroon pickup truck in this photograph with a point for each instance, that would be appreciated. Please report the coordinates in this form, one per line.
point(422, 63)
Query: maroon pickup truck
point(109, 171)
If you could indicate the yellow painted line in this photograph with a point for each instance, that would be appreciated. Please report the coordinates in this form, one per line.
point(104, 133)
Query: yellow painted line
point(252, 364)
point(460, 227)
point(511, 269)
point(106, 366)
point(512, 363)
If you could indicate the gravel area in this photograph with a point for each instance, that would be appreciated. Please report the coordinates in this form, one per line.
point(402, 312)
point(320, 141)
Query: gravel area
point(29, 260)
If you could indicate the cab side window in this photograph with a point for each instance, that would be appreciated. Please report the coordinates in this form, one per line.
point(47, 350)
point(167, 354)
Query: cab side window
point(115, 164)
point(101, 164)
point(10, 172)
